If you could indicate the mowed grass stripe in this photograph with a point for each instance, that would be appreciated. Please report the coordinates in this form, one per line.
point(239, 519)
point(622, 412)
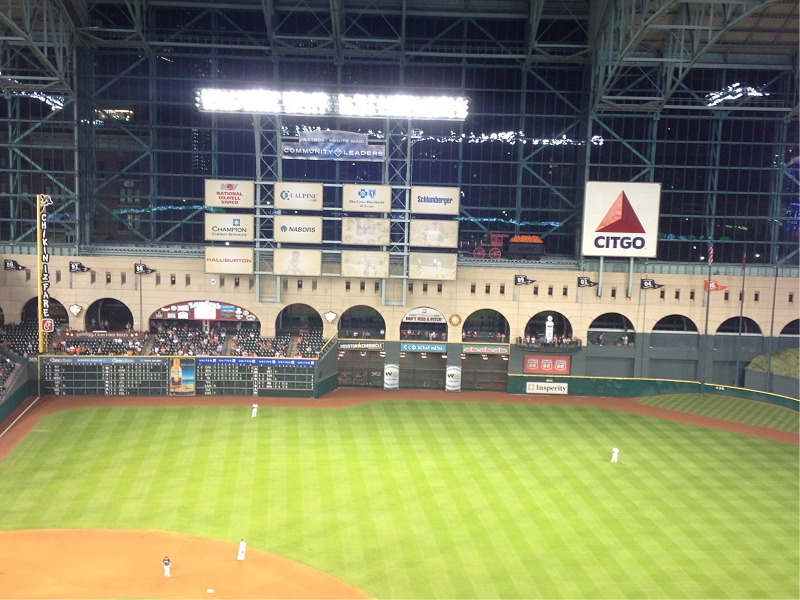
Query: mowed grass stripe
point(729, 408)
point(436, 499)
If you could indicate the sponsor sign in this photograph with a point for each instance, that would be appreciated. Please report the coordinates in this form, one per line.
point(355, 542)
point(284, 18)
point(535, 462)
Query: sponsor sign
point(357, 263)
point(364, 231)
point(435, 200)
point(360, 345)
point(546, 364)
point(433, 234)
point(423, 347)
point(294, 261)
point(620, 219)
point(452, 381)
point(230, 193)
point(484, 349)
point(543, 387)
point(298, 230)
point(199, 310)
point(230, 227)
point(229, 260)
point(391, 377)
point(334, 145)
point(426, 265)
point(46, 323)
point(257, 361)
point(298, 196)
point(424, 315)
point(366, 198)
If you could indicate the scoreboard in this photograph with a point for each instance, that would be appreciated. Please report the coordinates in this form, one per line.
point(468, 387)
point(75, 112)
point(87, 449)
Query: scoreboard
point(105, 376)
point(234, 376)
point(174, 376)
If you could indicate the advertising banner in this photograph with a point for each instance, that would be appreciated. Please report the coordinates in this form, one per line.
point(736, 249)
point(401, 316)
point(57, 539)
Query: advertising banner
point(420, 347)
point(433, 234)
point(358, 263)
point(363, 231)
point(230, 193)
point(478, 348)
point(298, 196)
point(297, 262)
point(391, 377)
point(229, 227)
point(229, 260)
point(453, 379)
point(298, 230)
point(366, 198)
point(334, 145)
point(424, 315)
point(621, 219)
point(435, 200)
point(546, 364)
point(426, 265)
point(543, 387)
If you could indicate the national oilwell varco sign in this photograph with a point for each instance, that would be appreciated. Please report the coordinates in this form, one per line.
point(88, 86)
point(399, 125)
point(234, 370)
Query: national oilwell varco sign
point(621, 219)
point(230, 193)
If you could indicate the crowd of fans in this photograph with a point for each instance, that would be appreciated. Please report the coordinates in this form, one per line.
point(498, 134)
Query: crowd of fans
point(7, 367)
point(188, 340)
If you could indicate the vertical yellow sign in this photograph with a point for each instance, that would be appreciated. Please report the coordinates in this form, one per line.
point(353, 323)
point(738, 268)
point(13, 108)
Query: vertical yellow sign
point(46, 323)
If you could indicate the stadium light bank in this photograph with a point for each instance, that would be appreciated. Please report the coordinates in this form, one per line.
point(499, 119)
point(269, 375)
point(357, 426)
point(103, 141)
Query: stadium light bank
point(442, 108)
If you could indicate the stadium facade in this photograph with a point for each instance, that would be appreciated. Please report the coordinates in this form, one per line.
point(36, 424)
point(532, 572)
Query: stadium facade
point(102, 116)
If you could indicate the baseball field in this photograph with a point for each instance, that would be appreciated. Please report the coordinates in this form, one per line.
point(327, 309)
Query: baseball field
point(410, 494)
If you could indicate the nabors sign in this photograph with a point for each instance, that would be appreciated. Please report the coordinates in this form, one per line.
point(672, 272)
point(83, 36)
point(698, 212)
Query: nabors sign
point(621, 219)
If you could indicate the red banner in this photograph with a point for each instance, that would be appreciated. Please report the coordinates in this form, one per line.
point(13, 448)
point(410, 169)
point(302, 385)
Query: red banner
point(547, 364)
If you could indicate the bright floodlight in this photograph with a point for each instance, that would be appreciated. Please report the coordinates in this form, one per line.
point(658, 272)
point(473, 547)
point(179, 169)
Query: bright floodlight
point(344, 105)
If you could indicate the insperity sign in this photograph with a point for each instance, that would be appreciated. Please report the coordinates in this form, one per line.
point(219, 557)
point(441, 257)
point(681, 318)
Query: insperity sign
point(621, 219)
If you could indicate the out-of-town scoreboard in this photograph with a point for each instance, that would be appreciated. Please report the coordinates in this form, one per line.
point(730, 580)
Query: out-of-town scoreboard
point(174, 376)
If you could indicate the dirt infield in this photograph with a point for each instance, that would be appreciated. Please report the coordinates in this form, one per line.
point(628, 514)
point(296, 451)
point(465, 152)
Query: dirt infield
point(126, 564)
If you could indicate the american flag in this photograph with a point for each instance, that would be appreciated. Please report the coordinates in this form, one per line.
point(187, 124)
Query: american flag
point(710, 254)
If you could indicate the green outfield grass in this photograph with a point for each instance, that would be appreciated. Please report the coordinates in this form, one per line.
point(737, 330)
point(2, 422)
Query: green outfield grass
point(740, 410)
point(434, 500)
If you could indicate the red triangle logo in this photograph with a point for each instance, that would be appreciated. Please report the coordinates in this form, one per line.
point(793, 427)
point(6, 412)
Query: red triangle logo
point(620, 218)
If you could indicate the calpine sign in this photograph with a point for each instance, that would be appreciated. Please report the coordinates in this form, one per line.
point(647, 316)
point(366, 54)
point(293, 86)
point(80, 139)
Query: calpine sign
point(621, 219)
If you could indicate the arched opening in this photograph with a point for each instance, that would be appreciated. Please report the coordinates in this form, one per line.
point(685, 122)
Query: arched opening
point(611, 329)
point(548, 328)
point(297, 317)
point(675, 331)
point(485, 325)
point(108, 314)
point(362, 322)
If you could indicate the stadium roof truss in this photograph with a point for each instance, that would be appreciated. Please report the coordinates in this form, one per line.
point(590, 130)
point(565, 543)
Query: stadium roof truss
point(638, 56)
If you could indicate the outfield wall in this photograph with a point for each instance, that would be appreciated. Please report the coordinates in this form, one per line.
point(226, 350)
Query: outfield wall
point(633, 388)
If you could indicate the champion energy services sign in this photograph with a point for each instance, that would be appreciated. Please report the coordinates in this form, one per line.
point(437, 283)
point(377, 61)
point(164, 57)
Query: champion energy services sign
point(229, 227)
point(230, 193)
point(621, 219)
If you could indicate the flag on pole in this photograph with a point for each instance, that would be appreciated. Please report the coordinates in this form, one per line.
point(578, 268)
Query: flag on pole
point(142, 269)
point(523, 280)
point(75, 267)
point(744, 261)
point(711, 285)
point(586, 282)
point(710, 254)
point(650, 284)
point(12, 265)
